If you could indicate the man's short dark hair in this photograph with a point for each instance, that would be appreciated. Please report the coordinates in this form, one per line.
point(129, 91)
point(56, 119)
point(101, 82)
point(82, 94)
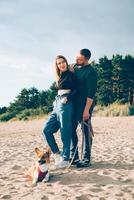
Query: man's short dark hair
point(86, 53)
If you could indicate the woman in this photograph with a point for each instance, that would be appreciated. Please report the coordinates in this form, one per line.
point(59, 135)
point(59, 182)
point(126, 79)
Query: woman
point(61, 116)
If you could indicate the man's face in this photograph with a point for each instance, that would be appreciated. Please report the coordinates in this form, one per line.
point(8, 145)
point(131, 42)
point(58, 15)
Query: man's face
point(80, 60)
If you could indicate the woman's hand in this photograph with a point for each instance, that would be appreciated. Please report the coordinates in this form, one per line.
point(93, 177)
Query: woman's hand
point(71, 67)
point(64, 100)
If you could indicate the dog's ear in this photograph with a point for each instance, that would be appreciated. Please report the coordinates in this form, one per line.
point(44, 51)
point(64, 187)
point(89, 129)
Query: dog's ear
point(37, 151)
point(47, 149)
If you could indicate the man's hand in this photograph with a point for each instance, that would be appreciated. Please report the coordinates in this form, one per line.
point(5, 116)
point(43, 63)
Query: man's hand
point(86, 115)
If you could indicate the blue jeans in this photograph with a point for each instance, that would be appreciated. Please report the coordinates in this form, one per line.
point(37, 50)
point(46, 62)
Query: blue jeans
point(60, 118)
point(87, 141)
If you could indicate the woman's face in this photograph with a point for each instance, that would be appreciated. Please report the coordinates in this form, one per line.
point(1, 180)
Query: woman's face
point(61, 64)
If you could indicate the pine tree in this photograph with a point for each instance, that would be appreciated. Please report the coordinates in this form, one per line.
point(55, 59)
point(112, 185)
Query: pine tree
point(117, 63)
point(105, 86)
point(129, 63)
point(123, 79)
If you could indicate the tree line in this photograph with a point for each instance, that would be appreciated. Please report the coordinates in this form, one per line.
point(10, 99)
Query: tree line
point(115, 84)
point(115, 80)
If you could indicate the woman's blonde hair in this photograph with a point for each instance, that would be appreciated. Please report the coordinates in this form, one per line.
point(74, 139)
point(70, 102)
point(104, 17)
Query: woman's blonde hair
point(57, 70)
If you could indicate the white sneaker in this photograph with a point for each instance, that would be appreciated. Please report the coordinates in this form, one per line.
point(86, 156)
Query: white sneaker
point(57, 159)
point(62, 164)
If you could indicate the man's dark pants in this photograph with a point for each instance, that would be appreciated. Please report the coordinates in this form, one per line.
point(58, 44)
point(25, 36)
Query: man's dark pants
point(87, 140)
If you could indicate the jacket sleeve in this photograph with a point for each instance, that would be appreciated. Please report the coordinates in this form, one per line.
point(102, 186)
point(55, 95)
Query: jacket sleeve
point(73, 92)
point(91, 82)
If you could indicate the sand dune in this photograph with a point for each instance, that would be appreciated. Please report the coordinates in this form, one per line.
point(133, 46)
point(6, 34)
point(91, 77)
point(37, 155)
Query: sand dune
point(111, 175)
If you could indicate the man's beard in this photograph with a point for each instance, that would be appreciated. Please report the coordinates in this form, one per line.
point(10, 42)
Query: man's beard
point(81, 64)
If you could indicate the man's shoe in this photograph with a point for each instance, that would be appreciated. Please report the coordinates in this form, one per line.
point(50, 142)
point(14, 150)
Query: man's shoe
point(82, 164)
point(74, 162)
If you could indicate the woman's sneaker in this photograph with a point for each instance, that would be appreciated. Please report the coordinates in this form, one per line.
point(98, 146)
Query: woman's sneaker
point(62, 164)
point(57, 159)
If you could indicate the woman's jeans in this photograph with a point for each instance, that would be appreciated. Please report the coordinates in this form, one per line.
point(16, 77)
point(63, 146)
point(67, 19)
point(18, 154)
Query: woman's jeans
point(60, 118)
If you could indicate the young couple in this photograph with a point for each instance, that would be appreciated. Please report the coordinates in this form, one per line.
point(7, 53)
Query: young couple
point(73, 104)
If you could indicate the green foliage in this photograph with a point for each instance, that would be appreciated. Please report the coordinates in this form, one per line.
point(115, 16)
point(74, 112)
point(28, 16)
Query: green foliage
point(25, 114)
point(7, 116)
point(115, 80)
point(32, 113)
point(27, 99)
point(30, 103)
point(131, 110)
point(104, 92)
point(3, 110)
point(112, 110)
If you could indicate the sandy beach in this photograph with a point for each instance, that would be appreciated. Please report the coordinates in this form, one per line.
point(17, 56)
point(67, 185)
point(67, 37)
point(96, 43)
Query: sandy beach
point(111, 176)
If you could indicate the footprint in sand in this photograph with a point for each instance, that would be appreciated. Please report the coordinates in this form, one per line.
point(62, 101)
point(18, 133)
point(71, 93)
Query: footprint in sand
point(4, 178)
point(120, 194)
point(96, 190)
point(76, 186)
point(16, 167)
point(44, 198)
point(82, 197)
point(6, 197)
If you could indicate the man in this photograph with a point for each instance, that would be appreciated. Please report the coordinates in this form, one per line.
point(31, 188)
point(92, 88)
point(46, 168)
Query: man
point(83, 107)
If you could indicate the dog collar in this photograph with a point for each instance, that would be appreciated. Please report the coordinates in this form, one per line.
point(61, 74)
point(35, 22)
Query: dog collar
point(41, 175)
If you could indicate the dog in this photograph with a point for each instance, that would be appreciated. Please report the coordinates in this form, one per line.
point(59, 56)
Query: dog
point(39, 172)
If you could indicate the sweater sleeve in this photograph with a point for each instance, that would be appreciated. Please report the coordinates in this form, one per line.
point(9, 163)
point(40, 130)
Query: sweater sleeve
point(91, 81)
point(73, 92)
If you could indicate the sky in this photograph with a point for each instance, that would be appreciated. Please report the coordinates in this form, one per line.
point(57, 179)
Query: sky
point(34, 32)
